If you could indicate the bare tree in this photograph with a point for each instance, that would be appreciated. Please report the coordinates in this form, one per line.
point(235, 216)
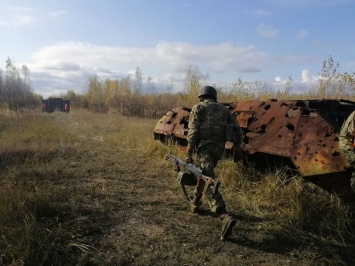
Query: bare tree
point(137, 81)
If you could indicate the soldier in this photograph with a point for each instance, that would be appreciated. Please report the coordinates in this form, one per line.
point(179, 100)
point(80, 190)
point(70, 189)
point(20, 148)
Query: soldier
point(207, 137)
point(346, 143)
point(66, 108)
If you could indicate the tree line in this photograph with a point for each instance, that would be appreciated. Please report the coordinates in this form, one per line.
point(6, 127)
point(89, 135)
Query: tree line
point(15, 87)
point(128, 96)
point(131, 96)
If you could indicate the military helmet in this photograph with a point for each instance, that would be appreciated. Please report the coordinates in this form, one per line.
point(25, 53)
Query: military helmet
point(208, 90)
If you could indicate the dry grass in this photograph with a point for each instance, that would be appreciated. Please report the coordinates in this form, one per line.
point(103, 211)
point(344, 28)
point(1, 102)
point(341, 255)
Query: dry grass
point(277, 195)
point(94, 189)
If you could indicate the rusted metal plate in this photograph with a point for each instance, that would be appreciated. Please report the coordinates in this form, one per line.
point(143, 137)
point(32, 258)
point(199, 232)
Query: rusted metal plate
point(315, 148)
point(173, 126)
point(292, 129)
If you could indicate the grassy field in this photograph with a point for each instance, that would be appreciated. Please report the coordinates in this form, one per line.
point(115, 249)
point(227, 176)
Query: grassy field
point(94, 189)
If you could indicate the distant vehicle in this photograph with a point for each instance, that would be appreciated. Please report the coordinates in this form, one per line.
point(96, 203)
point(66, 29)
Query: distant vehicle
point(54, 104)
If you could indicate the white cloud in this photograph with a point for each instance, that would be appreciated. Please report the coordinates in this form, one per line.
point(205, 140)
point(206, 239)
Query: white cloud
point(19, 9)
point(297, 86)
point(20, 20)
point(267, 31)
point(68, 65)
point(4, 23)
point(58, 14)
point(278, 79)
point(262, 13)
point(306, 77)
point(302, 33)
point(17, 21)
point(17, 16)
point(178, 56)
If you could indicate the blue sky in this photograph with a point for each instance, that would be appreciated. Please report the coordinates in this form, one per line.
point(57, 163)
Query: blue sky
point(65, 42)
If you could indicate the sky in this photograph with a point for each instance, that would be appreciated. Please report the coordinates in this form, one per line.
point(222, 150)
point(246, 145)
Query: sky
point(64, 43)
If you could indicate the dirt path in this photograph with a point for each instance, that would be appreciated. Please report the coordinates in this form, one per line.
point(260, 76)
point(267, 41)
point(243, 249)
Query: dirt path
point(134, 214)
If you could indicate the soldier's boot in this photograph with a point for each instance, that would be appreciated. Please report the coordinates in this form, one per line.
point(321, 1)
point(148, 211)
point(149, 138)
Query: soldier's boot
point(195, 203)
point(228, 222)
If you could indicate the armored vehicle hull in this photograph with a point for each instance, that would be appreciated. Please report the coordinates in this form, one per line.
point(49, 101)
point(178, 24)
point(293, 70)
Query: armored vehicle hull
point(301, 133)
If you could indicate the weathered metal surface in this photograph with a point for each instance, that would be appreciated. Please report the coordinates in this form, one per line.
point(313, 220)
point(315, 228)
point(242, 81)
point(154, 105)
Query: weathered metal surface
point(173, 126)
point(293, 129)
point(303, 131)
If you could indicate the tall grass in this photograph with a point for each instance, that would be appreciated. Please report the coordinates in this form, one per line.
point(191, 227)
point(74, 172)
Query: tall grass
point(17, 223)
point(28, 142)
point(277, 195)
point(40, 154)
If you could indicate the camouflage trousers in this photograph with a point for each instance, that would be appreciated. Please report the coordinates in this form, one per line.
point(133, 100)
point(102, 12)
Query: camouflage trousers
point(350, 156)
point(207, 159)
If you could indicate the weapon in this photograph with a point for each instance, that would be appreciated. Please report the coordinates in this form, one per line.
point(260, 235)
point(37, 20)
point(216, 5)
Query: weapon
point(192, 176)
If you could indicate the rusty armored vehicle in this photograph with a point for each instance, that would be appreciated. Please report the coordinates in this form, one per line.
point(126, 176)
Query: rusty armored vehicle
point(300, 133)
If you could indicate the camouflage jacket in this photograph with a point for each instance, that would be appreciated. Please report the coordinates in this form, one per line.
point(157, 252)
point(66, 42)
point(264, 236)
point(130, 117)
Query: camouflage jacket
point(207, 124)
point(346, 139)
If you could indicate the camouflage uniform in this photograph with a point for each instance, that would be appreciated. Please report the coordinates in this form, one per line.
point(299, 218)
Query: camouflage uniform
point(207, 137)
point(346, 143)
